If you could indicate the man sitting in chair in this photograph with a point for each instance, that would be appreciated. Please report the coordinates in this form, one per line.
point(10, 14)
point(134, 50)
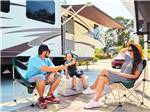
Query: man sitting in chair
point(130, 71)
point(41, 70)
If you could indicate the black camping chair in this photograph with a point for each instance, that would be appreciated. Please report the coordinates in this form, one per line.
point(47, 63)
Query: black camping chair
point(18, 76)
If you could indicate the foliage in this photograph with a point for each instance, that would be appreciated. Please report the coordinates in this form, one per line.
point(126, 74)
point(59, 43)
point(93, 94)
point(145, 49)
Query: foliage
point(118, 49)
point(142, 41)
point(149, 53)
point(119, 37)
point(100, 54)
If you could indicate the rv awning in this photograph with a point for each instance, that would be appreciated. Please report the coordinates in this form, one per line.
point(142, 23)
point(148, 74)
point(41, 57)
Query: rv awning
point(94, 14)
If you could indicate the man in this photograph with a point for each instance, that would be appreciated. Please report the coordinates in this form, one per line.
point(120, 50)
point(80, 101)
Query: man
point(41, 70)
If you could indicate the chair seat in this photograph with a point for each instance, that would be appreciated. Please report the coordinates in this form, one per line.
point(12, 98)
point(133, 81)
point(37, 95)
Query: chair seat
point(128, 84)
point(30, 85)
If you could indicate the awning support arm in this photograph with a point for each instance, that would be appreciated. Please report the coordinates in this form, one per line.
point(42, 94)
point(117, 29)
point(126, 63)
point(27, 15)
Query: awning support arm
point(66, 10)
point(88, 4)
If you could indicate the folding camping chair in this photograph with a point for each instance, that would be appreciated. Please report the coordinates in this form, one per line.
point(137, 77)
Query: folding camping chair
point(129, 89)
point(19, 70)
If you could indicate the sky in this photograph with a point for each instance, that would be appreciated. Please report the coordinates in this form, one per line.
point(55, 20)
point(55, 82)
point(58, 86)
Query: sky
point(111, 7)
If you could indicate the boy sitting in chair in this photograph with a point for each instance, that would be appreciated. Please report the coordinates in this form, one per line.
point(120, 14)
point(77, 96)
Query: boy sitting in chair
point(41, 70)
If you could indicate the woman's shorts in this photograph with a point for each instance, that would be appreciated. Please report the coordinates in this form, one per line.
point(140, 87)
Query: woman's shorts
point(113, 78)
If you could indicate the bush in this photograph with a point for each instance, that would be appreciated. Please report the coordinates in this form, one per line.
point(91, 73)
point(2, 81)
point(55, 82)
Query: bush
point(149, 54)
point(118, 49)
point(100, 54)
point(95, 59)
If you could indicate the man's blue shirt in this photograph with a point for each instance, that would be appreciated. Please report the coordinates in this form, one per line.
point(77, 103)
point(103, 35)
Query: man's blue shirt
point(34, 65)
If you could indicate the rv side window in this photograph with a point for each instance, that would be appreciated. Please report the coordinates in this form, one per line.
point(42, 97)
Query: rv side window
point(5, 5)
point(41, 10)
point(96, 31)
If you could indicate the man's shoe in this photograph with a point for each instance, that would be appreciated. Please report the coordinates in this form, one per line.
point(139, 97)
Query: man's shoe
point(42, 103)
point(52, 99)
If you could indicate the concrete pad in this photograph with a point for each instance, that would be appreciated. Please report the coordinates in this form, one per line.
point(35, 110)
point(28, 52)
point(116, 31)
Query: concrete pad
point(76, 103)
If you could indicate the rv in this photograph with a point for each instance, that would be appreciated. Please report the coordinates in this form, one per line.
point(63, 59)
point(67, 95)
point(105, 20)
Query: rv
point(26, 24)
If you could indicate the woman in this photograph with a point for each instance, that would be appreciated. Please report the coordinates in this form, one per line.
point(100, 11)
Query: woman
point(130, 71)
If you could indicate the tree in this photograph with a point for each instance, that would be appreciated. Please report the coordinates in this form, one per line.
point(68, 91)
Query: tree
point(118, 37)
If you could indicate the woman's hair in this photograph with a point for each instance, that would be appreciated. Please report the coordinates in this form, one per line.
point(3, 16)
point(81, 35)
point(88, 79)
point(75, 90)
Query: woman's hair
point(137, 58)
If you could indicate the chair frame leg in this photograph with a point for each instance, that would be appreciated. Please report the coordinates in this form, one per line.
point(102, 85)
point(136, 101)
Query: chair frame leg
point(130, 93)
point(15, 83)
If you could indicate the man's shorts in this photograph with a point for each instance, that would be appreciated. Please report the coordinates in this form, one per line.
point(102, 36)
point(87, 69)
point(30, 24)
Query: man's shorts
point(41, 77)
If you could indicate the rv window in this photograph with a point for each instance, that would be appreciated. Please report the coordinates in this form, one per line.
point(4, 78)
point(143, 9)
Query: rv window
point(96, 31)
point(5, 5)
point(43, 10)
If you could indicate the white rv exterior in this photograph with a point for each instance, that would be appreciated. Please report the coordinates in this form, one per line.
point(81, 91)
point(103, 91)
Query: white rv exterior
point(18, 29)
